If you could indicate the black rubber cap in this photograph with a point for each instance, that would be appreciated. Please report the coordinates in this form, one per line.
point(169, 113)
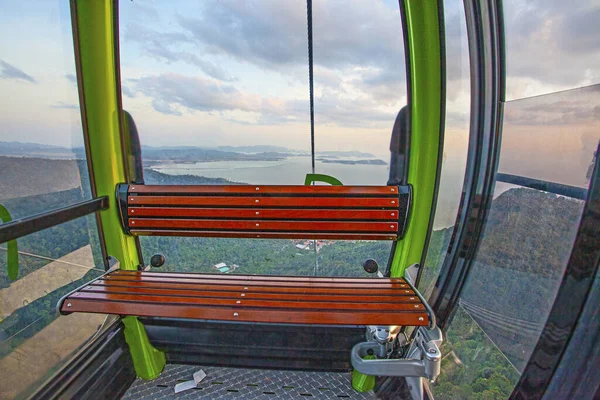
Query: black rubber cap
point(157, 260)
point(371, 266)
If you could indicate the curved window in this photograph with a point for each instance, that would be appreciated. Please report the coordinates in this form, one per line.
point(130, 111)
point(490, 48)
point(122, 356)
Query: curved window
point(549, 139)
point(42, 167)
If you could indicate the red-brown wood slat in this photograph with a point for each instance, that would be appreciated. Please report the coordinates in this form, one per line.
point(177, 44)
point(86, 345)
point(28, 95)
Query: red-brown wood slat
point(323, 306)
point(101, 287)
point(268, 189)
point(263, 235)
point(257, 225)
point(379, 317)
point(241, 289)
point(258, 278)
point(301, 300)
point(248, 283)
point(249, 213)
point(257, 201)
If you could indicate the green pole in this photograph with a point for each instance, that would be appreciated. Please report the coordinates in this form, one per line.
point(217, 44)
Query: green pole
point(94, 41)
point(12, 251)
point(426, 78)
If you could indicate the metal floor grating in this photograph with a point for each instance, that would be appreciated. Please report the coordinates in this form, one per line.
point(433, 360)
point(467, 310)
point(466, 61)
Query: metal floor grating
point(238, 383)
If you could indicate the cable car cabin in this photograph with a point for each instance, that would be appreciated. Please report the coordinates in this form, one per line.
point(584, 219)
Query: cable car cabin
point(445, 242)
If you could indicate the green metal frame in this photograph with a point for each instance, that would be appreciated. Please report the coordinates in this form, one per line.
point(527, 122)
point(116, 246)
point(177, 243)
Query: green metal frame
point(99, 87)
point(12, 251)
point(423, 38)
point(311, 178)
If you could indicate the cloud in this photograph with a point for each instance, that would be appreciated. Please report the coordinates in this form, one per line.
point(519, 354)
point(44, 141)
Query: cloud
point(127, 91)
point(174, 94)
point(273, 33)
point(64, 105)
point(71, 78)
point(9, 71)
point(162, 46)
point(552, 42)
point(169, 91)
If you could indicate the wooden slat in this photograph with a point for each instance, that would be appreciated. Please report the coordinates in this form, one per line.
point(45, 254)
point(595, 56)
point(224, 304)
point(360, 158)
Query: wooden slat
point(380, 317)
point(258, 278)
point(256, 225)
point(264, 235)
point(255, 201)
point(248, 213)
point(261, 298)
point(270, 189)
point(240, 289)
point(323, 306)
point(247, 283)
point(305, 297)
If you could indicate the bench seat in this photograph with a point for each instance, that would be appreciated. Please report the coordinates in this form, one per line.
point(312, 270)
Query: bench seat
point(251, 298)
point(265, 211)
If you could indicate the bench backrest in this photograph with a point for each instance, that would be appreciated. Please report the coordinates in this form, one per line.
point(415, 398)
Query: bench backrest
point(266, 211)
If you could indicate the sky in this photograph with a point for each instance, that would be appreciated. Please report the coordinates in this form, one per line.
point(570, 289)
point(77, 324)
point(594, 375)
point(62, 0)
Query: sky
point(232, 72)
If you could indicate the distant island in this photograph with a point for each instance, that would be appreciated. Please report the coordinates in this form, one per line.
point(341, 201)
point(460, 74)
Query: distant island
point(353, 162)
point(152, 155)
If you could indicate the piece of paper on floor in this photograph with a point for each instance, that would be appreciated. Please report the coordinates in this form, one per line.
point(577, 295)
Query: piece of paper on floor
point(198, 376)
point(187, 385)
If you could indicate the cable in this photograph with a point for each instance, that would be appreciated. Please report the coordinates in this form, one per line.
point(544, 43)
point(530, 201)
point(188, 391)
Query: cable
point(312, 107)
point(310, 82)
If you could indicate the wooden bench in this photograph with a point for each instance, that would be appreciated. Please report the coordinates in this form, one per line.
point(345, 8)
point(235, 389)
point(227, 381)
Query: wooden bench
point(267, 212)
point(251, 298)
point(241, 211)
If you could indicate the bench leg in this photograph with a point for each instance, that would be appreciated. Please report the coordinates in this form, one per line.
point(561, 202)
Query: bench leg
point(148, 361)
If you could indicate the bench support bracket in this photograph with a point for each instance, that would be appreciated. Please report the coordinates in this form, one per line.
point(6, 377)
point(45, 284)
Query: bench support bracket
point(423, 359)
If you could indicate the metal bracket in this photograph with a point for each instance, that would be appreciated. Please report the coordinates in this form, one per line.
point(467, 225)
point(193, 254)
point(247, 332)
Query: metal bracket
point(422, 360)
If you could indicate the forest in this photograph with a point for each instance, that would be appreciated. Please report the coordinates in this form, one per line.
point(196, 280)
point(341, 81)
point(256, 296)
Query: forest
point(522, 254)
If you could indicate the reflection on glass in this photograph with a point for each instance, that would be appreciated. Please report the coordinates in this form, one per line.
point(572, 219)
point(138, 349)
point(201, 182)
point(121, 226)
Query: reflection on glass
point(456, 137)
point(557, 134)
point(550, 46)
point(34, 339)
point(473, 367)
point(525, 245)
point(42, 161)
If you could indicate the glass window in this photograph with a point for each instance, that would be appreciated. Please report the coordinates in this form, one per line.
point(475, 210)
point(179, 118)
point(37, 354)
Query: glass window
point(34, 339)
point(229, 83)
point(456, 140)
point(42, 160)
point(550, 132)
point(525, 246)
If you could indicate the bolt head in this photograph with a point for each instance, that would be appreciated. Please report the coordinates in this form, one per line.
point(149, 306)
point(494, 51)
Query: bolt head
point(432, 351)
point(68, 304)
point(235, 314)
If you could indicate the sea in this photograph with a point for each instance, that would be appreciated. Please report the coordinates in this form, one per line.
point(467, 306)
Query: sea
point(292, 171)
